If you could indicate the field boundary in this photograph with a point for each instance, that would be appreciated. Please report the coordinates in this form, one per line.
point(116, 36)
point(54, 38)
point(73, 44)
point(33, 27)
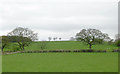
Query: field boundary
point(58, 51)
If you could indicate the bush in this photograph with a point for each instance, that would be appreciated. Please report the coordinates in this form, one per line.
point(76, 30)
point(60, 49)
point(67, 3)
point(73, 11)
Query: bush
point(104, 51)
point(118, 50)
point(91, 50)
point(117, 43)
point(87, 50)
point(101, 51)
point(15, 48)
point(76, 50)
point(84, 50)
point(98, 51)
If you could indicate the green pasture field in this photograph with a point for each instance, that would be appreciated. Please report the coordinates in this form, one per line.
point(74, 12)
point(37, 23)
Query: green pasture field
point(60, 62)
point(0, 63)
point(65, 45)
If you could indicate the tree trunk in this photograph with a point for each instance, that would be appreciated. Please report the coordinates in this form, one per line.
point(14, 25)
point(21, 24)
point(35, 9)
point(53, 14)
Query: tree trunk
point(3, 46)
point(20, 47)
point(90, 45)
point(2, 49)
point(23, 48)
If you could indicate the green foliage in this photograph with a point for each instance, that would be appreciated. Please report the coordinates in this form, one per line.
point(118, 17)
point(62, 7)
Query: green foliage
point(15, 47)
point(16, 38)
point(117, 43)
point(111, 42)
point(4, 41)
point(98, 41)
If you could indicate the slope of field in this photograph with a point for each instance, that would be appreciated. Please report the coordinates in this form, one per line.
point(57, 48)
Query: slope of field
point(55, 45)
point(60, 62)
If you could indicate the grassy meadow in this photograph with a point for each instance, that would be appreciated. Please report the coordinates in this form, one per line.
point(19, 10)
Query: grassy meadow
point(65, 45)
point(60, 62)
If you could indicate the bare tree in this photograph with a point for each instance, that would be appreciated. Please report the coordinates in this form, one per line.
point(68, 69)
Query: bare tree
point(24, 36)
point(117, 40)
point(72, 39)
point(43, 44)
point(54, 38)
point(117, 37)
point(49, 38)
point(60, 38)
point(89, 36)
point(4, 41)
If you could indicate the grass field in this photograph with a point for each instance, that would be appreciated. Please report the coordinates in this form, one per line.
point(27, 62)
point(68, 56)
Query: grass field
point(55, 45)
point(60, 62)
point(0, 63)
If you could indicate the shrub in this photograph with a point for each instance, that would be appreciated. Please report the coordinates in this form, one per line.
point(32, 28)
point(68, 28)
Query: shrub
point(84, 50)
point(117, 42)
point(104, 51)
point(101, 51)
point(15, 48)
point(98, 51)
point(118, 50)
point(91, 50)
point(76, 50)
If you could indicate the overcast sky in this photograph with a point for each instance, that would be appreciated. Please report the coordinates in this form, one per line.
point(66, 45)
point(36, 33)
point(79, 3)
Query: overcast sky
point(59, 18)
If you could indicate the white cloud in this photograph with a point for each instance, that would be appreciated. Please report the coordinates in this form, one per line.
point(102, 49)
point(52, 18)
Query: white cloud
point(59, 17)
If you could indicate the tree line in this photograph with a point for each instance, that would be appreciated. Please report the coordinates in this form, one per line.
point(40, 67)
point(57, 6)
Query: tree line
point(24, 36)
